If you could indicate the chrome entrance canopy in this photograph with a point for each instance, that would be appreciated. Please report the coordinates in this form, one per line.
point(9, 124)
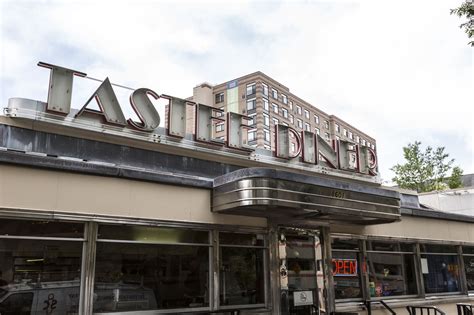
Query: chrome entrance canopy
point(288, 196)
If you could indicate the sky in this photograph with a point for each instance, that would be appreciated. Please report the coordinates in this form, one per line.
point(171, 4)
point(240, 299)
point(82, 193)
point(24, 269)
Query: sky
point(401, 71)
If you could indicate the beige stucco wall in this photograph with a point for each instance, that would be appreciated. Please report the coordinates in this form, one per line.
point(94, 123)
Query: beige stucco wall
point(425, 228)
point(47, 190)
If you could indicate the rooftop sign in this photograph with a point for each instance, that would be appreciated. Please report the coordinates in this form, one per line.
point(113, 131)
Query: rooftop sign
point(312, 151)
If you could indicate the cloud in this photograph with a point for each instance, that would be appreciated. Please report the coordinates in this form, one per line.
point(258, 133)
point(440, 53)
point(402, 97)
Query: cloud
point(400, 71)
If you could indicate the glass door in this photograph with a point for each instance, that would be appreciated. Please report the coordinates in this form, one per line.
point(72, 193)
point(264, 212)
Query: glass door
point(300, 272)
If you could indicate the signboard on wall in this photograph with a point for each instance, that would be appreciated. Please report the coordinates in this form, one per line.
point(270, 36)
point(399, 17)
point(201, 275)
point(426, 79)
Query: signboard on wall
point(345, 158)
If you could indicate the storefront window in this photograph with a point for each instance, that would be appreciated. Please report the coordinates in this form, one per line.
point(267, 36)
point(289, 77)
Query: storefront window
point(391, 270)
point(242, 274)
point(153, 268)
point(346, 269)
point(468, 257)
point(440, 268)
point(42, 274)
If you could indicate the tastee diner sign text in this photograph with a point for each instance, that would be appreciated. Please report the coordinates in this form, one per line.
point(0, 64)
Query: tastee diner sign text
point(308, 147)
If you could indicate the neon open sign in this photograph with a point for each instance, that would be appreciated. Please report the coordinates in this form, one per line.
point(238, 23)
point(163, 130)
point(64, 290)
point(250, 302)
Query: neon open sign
point(310, 148)
point(344, 267)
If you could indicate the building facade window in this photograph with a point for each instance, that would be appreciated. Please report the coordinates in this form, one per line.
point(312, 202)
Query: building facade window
point(251, 104)
point(468, 257)
point(299, 123)
point(132, 255)
point(307, 127)
point(363, 142)
point(306, 114)
point(252, 135)
point(292, 119)
point(242, 268)
point(391, 269)
point(265, 105)
point(316, 130)
point(266, 134)
point(275, 108)
point(284, 112)
point(337, 128)
point(357, 139)
point(275, 121)
point(326, 124)
point(220, 127)
point(266, 120)
point(291, 106)
point(344, 132)
point(274, 93)
point(265, 89)
point(351, 136)
point(346, 269)
point(440, 268)
point(251, 89)
point(32, 256)
point(316, 119)
point(284, 99)
point(219, 97)
point(298, 109)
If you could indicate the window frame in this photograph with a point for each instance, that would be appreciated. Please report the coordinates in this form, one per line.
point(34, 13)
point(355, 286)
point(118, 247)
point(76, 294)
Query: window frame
point(253, 89)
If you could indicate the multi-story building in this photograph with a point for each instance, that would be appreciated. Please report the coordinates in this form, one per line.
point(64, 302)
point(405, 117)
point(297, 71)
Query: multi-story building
point(268, 103)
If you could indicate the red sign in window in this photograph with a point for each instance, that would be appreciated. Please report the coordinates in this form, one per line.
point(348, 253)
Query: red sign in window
point(344, 267)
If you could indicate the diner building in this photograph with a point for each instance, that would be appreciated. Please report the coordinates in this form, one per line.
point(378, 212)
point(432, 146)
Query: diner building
point(100, 215)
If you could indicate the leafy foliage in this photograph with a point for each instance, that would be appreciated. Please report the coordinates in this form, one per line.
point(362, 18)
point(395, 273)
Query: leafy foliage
point(466, 9)
point(424, 171)
point(455, 179)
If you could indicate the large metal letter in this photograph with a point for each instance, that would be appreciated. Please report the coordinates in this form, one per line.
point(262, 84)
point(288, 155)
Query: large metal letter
point(108, 104)
point(348, 156)
point(145, 110)
point(310, 148)
point(60, 88)
point(368, 161)
point(282, 147)
point(204, 123)
point(235, 127)
point(177, 119)
point(328, 153)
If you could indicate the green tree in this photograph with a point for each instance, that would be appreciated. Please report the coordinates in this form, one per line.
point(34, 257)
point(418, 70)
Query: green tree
point(424, 170)
point(467, 10)
point(455, 179)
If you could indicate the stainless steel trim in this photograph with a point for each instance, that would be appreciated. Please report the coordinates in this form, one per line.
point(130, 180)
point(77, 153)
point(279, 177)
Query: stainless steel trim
point(304, 203)
point(222, 194)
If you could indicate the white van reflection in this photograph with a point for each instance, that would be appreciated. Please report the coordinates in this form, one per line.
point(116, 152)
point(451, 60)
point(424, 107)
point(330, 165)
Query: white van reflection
point(62, 297)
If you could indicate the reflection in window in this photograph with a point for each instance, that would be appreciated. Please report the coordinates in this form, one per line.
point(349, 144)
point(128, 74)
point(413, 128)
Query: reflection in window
point(391, 274)
point(43, 265)
point(469, 267)
point(41, 228)
point(133, 276)
point(152, 234)
point(440, 273)
point(242, 276)
point(17, 304)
